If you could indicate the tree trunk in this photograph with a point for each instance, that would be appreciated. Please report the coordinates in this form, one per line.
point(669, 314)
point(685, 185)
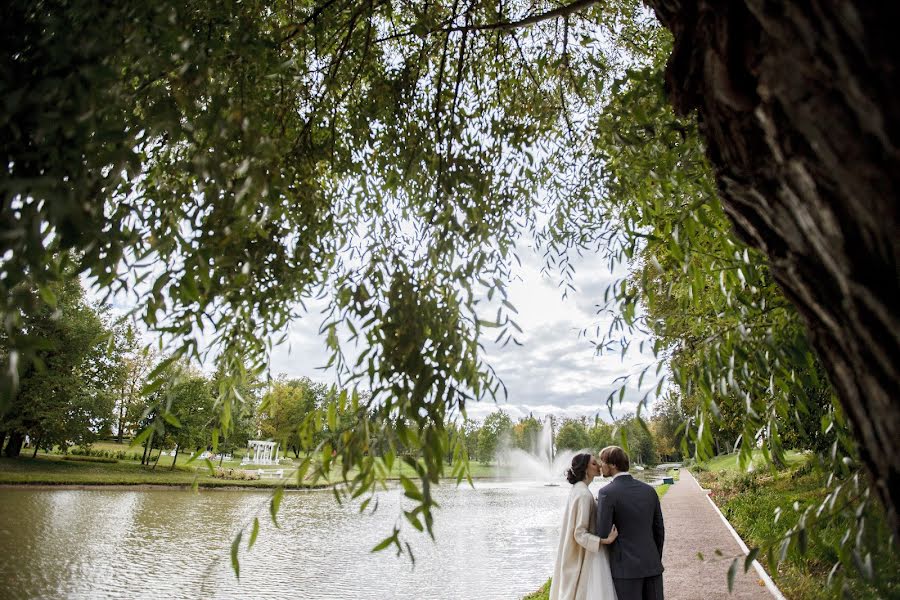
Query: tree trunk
point(174, 458)
point(14, 445)
point(121, 414)
point(799, 104)
point(37, 445)
point(2, 439)
point(144, 459)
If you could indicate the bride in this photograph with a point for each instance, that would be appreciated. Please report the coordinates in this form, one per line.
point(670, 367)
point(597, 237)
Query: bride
point(582, 563)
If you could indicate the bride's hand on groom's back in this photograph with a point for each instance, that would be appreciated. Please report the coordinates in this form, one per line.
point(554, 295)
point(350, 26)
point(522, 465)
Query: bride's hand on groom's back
point(613, 534)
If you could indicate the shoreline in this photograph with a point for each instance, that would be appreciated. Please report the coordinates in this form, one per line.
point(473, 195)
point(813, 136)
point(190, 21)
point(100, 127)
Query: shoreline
point(138, 487)
point(149, 486)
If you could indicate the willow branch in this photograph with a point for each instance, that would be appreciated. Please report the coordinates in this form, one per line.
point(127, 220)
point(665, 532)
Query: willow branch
point(562, 11)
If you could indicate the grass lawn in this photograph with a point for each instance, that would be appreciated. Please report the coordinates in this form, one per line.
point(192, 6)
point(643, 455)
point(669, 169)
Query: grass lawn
point(729, 462)
point(53, 469)
point(542, 594)
point(749, 500)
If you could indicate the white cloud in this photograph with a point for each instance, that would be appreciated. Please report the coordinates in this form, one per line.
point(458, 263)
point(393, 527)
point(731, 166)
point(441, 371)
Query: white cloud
point(555, 371)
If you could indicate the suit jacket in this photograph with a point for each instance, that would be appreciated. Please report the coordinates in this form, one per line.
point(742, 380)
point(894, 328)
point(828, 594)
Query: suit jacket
point(633, 507)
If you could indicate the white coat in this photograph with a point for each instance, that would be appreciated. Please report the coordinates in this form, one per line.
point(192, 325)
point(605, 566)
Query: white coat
point(570, 575)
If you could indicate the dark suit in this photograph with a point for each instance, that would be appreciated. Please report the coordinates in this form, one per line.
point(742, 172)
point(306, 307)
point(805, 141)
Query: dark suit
point(635, 558)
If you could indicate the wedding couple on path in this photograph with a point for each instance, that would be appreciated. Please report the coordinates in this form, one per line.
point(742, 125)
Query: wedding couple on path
point(610, 549)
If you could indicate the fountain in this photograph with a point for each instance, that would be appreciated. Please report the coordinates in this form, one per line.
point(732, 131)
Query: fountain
point(543, 464)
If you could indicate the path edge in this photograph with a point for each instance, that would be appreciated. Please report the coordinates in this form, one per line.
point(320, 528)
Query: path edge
point(770, 585)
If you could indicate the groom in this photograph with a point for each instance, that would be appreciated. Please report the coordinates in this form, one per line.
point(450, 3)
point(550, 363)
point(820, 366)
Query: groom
point(635, 558)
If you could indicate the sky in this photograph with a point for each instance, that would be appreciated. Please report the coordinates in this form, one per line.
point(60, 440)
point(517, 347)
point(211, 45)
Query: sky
point(555, 371)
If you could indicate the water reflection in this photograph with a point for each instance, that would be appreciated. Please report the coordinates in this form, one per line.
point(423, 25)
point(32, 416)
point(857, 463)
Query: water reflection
point(495, 541)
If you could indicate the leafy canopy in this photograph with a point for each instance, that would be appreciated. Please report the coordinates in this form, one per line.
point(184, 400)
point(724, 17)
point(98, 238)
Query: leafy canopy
point(224, 162)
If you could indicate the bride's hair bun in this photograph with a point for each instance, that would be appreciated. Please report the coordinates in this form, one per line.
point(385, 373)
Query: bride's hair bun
point(576, 472)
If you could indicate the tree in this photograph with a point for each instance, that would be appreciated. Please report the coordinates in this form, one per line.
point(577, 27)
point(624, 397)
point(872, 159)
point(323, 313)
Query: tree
point(496, 428)
point(287, 165)
point(600, 434)
point(285, 407)
point(470, 430)
point(64, 396)
point(526, 433)
point(782, 118)
point(636, 439)
point(136, 361)
point(667, 425)
point(572, 435)
point(190, 409)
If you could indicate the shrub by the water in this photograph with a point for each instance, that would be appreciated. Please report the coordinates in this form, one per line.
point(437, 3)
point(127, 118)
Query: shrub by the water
point(95, 459)
point(762, 506)
point(235, 474)
point(99, 453)
point(543, 593)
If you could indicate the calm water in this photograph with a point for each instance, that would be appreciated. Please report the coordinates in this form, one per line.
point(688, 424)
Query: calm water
point(495, 541)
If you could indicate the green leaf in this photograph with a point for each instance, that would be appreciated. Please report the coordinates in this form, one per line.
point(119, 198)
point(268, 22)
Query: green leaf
point(170, 419)
point(413, 519)
point(732, 571)
point(141, 437)
point(235, 547)
point(391, 539)
point(253, 533)
point(751, 556)
point(410, 488)
point(47, 295)
point(275, 504)
point(153, 377)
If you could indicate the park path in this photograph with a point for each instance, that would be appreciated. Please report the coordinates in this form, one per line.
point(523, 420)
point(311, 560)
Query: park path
point(693, 525)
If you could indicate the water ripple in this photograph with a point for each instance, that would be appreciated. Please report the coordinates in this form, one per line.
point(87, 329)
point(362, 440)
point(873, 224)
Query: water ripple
point(495, 541)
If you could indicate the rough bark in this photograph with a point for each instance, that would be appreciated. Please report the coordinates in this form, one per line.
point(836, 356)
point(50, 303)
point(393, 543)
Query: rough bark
point(121, 415)
point(799, 103)
point(14, 445)
point(144, 459)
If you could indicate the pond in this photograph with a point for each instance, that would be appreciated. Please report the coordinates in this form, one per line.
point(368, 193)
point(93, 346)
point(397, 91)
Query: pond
point(497, 540)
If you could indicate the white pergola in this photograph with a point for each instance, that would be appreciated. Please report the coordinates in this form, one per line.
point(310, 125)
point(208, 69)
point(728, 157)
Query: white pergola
point(263, 452)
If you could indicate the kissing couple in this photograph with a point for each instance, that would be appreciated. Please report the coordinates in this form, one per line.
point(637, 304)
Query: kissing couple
point(610, 549)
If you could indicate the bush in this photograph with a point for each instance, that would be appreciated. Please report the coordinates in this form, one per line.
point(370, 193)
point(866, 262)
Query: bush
point(122, 455)
point(96, 459)
point(543, 593)
point(235, 474)
point(742, 482)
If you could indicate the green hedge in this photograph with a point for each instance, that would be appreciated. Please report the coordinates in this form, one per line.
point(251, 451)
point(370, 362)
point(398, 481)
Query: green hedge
point(95, 459)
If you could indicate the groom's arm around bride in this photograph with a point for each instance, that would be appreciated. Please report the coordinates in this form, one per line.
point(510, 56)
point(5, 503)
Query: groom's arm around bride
point(635, 558)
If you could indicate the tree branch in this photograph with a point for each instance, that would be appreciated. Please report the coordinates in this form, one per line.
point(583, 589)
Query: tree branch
point(562, 11)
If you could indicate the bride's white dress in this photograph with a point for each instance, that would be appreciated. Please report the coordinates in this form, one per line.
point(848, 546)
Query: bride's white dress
point(581, 571)
point(599, 579)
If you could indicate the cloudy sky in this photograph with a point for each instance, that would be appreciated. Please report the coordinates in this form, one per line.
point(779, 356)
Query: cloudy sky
point(555, 371)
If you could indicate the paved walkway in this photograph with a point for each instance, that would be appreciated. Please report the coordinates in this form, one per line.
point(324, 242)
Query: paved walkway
point(692, 526)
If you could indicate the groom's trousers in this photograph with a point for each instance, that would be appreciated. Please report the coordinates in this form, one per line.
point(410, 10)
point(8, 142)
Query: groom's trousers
point(645, 588)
